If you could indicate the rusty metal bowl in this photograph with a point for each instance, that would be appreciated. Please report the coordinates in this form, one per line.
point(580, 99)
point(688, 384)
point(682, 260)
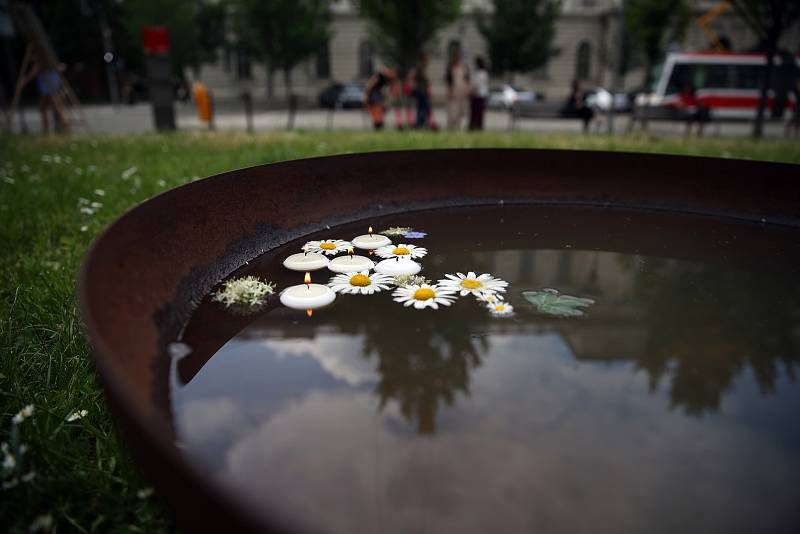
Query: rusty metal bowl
point(147, 272)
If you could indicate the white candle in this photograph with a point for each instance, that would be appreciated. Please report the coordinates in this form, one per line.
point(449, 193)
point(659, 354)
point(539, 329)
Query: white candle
point(371, 241)
point(307, 296)
point(398, 266)
point(349, 264)
point(305, 262)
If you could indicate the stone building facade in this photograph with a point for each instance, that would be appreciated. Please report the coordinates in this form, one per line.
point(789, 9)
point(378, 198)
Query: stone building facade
point(586, 36)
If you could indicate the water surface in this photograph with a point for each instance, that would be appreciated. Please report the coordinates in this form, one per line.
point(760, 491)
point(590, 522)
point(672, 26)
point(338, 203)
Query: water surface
point(671, 407)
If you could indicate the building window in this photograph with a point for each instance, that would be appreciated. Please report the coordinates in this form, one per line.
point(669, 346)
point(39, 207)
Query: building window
point(583, 61)
point(323, 62)
point(366, 53)
point(244, 67)
point(453, 50)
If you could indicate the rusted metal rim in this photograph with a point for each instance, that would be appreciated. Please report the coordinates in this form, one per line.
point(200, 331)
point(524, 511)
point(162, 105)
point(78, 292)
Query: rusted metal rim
point(145, 274)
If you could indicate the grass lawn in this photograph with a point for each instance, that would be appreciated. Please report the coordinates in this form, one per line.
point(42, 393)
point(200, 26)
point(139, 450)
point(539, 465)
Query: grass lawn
point(56, 194)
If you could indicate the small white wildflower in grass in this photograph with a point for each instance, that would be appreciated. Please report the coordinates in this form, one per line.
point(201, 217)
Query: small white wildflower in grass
point(471, 283)
point(91, 168)
point(78, 171)
point(130, 171)
point(145, 493)
point(9, 180)
point(74, 416)
point(424, 296)
point(83, 201)
point(46, 158)
point(96, 205)
point(23, 414)
point(56, 158)
point(99, 192)
point(396, 230)
point(84, 228)
point(85, 210)
point(401, 251)
point(244, 295)
point(25, 168)
point(42, 522)
point(360, 283)
point(162, 183)
point(28, 477)
point(10, 483)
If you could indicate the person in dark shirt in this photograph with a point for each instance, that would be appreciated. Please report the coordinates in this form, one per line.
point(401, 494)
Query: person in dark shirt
point(374, 99)
point(692, 110)
point(576, 107)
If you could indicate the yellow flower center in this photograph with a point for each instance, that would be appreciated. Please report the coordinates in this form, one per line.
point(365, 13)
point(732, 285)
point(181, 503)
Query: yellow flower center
point(400, 251)
point(471, 284)
point(489, 298)
point(500, 307)
point(424, 293)
point(327, 246)
point(361, 280)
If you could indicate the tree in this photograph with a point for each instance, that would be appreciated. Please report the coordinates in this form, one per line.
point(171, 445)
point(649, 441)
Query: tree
point(519, 34)
point(404, 29)
point(649, 26)
point(284, 33)
point(768, 19)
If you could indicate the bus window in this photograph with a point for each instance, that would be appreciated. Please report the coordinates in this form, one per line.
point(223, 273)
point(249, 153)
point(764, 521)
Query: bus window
point(746, 76)
point(679, 75)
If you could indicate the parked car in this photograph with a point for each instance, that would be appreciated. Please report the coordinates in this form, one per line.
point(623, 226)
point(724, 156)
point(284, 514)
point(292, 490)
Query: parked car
point(342, 95)
point(600, 99)
point(506, 96)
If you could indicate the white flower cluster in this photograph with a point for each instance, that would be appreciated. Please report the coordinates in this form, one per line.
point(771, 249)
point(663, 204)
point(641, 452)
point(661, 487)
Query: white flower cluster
point(247, 294)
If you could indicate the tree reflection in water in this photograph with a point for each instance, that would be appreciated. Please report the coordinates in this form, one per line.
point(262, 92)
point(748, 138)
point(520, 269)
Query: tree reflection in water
point(706, 324)
point(424, 357)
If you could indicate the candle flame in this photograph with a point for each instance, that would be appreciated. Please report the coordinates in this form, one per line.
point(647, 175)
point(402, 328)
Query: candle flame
point(370, 230)
point(309, 312)
point(307, 278)
point(350, 251)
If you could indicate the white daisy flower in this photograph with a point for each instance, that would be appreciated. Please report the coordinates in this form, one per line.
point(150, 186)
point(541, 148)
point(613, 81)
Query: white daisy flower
point(500, 309)
point(331, 247)
point(490, 298)
point(360, 283)
point(424, 296)
point(401, 251)
point(470, 283)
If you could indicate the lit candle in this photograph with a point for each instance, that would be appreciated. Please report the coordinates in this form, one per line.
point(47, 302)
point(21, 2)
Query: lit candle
point(307, 296)
point(371, 242)
point(398, 266)
point(350, 263)
point(305, 261)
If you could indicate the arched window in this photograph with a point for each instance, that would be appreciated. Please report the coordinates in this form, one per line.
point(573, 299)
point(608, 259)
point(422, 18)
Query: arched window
point(324, 62)
point(366, 53)
point(453, 50)
point(583, 61)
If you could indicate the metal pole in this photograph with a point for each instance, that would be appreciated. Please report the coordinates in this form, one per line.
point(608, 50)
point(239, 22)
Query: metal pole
point(617, 74)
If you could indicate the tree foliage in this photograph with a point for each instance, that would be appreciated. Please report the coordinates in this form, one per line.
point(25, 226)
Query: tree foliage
point(404, 29)
point(650, 25)
point(519, 34)
point(769, 19)
point(284, 32)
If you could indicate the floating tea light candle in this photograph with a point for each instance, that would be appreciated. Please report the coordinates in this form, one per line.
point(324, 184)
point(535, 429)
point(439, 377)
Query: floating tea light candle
point(307, 261)
point(307, 296)
point(398, 266)
point(350, 263)
point(370, 241)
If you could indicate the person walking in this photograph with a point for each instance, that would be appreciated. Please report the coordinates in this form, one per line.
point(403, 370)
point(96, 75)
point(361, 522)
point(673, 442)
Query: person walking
point(48, 83)
point(479, 94)
point(576, 106)
point(457, 79)
point(374, 97)
point(421, 92)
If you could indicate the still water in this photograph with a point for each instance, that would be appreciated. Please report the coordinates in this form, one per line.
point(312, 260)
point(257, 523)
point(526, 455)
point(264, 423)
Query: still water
point(672, 406)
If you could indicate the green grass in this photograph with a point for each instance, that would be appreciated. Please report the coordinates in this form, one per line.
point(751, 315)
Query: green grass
point(84, 478)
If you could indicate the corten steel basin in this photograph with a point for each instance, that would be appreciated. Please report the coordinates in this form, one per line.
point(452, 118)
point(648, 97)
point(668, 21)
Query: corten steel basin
point(147, 272)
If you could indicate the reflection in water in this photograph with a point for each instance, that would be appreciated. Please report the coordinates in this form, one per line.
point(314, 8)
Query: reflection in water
point(375, 418)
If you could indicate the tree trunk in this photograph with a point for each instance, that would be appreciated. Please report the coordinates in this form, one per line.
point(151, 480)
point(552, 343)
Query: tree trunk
point(758, 126)
point(270, 82)
point(291, 98)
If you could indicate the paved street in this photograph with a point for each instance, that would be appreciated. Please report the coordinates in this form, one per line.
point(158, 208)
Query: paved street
point(138, 118)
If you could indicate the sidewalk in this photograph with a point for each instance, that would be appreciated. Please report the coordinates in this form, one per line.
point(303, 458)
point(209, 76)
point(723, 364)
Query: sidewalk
point(138, 119)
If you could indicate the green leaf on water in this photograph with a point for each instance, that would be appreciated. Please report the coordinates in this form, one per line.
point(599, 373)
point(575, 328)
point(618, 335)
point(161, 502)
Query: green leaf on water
point(551, 302)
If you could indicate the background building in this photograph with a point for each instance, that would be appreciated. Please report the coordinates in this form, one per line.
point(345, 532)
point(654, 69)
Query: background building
point(586, 36)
